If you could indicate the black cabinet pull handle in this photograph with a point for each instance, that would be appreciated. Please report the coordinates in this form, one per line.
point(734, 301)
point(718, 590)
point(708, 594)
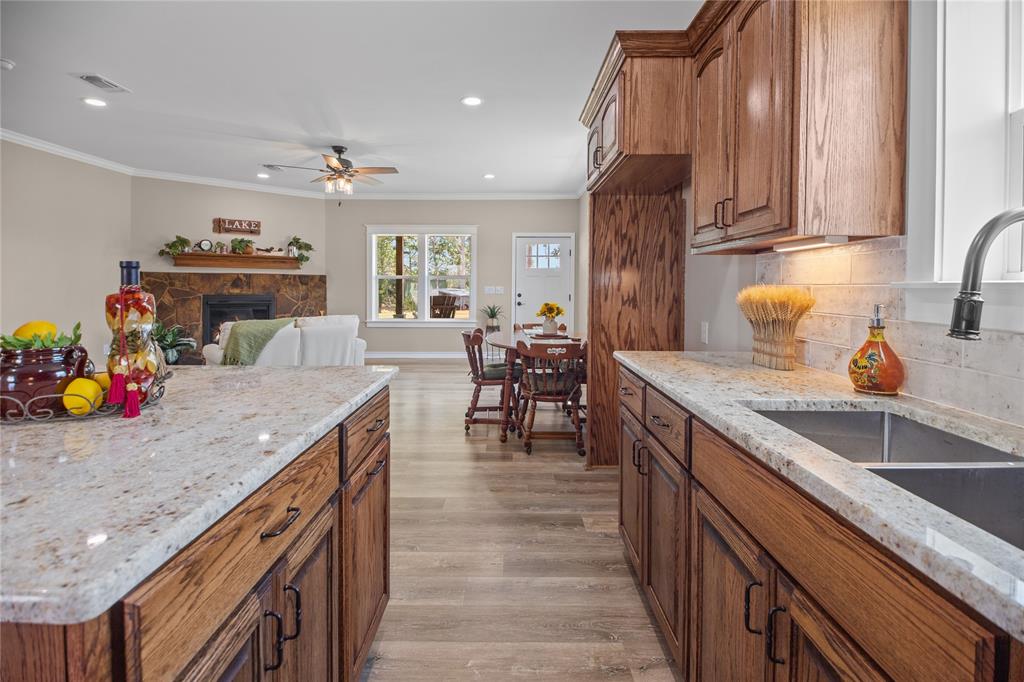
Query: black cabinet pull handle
point(293, 513)
point(278, 640)
point(298, 611)
point(597, 150)
point(658, 421)
point(624, 391)
point(379, 468)
point(746, 607)
point(724, 202)
point(636, 453)
point(769, 640)
point(377, 426)
point(640, 461)
point(718, 204)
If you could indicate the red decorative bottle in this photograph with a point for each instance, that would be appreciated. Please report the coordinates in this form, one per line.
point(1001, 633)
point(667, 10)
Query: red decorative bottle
point(134, 359)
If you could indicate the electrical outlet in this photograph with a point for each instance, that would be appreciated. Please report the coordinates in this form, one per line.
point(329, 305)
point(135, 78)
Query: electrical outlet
point(705, 329)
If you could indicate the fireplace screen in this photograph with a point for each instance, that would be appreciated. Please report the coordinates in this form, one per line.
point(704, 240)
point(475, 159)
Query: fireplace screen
point(221, 308)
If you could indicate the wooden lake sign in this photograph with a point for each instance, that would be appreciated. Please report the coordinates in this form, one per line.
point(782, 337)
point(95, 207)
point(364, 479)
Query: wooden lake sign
point(236, 225)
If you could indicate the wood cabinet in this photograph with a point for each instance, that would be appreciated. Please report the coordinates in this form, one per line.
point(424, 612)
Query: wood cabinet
point(665, 494)
point(366, 578)
point(630, 487)
point(749, 579)
point(786, 145)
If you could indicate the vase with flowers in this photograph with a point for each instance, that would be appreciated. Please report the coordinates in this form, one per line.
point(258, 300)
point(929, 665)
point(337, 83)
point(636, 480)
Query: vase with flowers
point(550, 312)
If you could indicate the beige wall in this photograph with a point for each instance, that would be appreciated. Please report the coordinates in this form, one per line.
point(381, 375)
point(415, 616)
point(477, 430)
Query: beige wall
point(164, 208)
point(496, 220)
point(64, 225)
point(583, 264)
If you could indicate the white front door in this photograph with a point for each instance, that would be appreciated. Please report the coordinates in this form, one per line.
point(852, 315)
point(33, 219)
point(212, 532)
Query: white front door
point(543, 272)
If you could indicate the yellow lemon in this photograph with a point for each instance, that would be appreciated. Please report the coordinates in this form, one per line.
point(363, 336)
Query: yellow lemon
point(82, 396)
point(103, 379)
point(41, 327)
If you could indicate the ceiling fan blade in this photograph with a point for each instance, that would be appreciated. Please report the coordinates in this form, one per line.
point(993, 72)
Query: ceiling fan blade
point(323, 178)
point(332, 162)
point(376, 170)
point(366, 180)
point(279, 166)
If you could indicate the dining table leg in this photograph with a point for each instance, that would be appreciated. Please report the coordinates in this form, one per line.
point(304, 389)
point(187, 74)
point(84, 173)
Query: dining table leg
point(508, 394)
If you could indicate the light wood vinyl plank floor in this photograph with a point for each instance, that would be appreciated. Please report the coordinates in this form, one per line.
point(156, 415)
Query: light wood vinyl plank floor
point(505, 566)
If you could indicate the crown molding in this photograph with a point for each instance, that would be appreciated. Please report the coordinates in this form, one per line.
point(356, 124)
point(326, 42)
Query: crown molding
point(75, 155)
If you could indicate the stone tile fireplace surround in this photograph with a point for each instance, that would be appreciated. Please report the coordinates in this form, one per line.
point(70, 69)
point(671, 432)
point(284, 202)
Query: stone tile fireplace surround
point(179, 295)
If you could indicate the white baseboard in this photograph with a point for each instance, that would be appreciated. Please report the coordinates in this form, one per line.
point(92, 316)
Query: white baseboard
point(413, 355)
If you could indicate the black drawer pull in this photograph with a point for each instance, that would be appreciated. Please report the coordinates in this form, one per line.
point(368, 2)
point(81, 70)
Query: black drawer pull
point(724, 202)
point(636, 454)
point(658, 421)
point(593, 157)
point(380, 467)
point(625, 391)
point(769, 640)
point(746, 607)
point(278, 640)
point(640, 461)
point(377, 426)
point(718, 204)
point(293, 513)
point(298, 611)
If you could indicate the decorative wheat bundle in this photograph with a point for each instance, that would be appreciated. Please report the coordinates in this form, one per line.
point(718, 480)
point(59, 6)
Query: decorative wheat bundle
point(773, 312)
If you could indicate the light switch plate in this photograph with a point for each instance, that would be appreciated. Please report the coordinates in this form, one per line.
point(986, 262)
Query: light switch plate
point(490, 290)
point(499, 290)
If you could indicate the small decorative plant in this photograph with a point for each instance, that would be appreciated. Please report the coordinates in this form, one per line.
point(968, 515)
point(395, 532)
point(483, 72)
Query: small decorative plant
point(302, 248)
point(172, 341)
point(48, 339)
point(220, 247)
point(176, 247)
point(242, 245)
point(492, 313)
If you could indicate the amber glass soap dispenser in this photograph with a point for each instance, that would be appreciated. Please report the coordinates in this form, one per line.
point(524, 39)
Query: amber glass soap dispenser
point(875, 368)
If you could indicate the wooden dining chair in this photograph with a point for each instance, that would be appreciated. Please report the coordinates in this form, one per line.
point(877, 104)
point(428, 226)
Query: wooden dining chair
point(485, 374)
point(552, 373)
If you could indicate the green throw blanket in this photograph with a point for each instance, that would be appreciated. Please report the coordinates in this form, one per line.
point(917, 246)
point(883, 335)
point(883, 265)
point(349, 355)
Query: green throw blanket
point(248, 338)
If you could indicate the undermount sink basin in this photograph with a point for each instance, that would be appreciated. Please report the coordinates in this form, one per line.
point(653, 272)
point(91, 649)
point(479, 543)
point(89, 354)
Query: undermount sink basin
point(876, 437)
point(980, 484)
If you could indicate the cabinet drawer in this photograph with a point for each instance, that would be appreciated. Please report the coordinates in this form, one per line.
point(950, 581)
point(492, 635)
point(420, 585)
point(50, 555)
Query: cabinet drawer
point(631, 392)
point(904, 626)
point(363, 430)
point(170, 616)
point(669, 424)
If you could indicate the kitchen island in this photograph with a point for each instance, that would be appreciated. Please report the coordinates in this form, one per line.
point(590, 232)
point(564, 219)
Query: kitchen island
point(174, 544)
point(744, 531)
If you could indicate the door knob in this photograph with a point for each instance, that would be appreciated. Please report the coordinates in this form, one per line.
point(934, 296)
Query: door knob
point(519, 295)
point(519, 302)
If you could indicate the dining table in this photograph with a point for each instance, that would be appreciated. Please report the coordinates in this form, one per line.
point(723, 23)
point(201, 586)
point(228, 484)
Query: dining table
point(508, 340)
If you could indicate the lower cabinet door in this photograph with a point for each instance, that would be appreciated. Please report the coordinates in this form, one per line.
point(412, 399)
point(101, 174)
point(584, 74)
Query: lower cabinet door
point(630, 487)
point(666, 488)
point(365, 580)
point(803, 643)
point(244, 648)
point(310, 599)
point(730, 576)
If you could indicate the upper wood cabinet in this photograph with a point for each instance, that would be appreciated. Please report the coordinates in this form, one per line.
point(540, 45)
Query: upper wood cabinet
point(787, 144)
point(638, 140)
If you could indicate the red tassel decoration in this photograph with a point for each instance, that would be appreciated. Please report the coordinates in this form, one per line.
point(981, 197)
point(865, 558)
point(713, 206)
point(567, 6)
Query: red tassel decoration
point(115, 394)
point(132, 407)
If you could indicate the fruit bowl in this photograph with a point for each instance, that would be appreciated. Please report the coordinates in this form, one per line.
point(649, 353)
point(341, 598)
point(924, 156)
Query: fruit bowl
point(49, 407)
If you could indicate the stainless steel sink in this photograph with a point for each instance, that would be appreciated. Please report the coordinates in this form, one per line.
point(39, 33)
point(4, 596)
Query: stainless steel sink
point(990, 497)
point(980, 484)
point(867, 437)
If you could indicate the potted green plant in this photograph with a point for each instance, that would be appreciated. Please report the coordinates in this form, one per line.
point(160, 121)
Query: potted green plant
point(176, 247)
point(220, 247)
point(241, 245)
point(299, 248)
point(172, 341)
point(492, 313)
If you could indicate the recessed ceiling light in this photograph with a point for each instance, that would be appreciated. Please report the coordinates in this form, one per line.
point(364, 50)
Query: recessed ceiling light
point(472, 101)
point(489, 176)
point(263, 176)
point(93, 102)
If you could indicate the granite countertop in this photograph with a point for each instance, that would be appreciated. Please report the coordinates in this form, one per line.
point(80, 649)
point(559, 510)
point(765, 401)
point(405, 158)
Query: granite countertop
point(723, 389)
point(89, 509)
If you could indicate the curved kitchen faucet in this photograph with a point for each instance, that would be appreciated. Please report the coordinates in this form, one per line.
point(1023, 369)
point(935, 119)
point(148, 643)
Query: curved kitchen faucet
point(966, 323)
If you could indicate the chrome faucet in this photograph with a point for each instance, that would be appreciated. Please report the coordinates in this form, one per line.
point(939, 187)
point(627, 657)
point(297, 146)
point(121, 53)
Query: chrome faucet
point(966, 323)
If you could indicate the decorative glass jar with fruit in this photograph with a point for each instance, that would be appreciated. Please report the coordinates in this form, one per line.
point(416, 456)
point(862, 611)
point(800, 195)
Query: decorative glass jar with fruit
point(134, 360)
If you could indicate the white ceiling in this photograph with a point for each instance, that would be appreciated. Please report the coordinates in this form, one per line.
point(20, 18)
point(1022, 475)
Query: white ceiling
point(223, 87)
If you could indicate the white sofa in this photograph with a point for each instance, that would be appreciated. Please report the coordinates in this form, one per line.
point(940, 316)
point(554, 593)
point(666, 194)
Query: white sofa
point(322, 341)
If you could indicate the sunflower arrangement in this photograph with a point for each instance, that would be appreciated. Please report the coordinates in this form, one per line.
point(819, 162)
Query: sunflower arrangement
point(550, 311)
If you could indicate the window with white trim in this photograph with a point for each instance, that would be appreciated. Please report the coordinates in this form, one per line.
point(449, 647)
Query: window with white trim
point(421, 274)
point(1015, 135)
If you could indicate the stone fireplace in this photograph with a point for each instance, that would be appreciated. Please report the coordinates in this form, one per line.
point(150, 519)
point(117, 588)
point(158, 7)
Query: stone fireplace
point(220, 308)
point(180, 297)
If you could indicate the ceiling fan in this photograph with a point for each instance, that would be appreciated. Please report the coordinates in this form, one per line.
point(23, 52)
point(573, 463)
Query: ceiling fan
point(340, 173)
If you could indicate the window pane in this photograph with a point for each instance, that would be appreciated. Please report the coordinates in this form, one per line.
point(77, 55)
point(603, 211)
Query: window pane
point(543, 256)
point(449, 266)
point(449, 254)
point(389, 306)
point(387, 254)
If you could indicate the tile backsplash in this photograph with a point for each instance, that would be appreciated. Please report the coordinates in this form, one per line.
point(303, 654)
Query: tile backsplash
point(984, 376)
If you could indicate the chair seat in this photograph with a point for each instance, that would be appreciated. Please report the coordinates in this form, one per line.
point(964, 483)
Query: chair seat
point(557, 387)
point(497, 370)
